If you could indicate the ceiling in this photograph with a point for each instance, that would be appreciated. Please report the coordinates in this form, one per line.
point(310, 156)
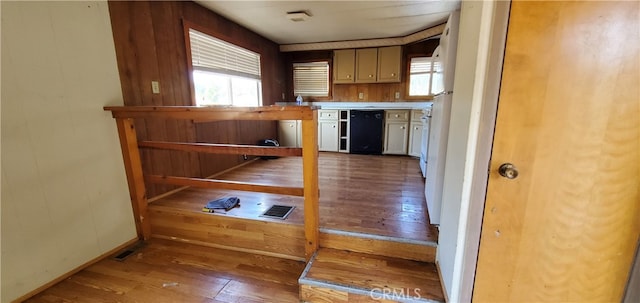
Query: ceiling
point(334, 20)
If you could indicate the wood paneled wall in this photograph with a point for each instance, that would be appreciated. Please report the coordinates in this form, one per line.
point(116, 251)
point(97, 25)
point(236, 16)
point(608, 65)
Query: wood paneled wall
point(373, 92)
point(150, 46)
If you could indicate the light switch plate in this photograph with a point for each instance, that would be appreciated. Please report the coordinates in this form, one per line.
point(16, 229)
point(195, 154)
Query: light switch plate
point(360, 95)
point(397, 95)
point(155, 87)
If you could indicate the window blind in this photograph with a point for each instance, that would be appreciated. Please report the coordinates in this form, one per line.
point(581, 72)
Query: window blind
point(311, 79)
point(215, 55)
point(420, 65)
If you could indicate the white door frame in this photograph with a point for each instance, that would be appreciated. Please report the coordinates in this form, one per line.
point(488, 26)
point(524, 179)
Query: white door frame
point(493, 32)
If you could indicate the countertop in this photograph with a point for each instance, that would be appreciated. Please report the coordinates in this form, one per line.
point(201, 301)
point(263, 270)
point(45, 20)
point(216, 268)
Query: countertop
point(364, 105)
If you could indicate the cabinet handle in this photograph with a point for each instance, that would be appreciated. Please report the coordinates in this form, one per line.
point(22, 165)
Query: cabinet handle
point(416, 128)
point(290, 125)
point(393, 74)
point(334, 126)
point(397, 115)
point(401, 127)
point(348, 76)
point(370, 76)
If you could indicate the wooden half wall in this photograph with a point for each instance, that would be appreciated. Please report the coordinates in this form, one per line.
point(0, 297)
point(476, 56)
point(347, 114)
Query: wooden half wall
point(150, 46)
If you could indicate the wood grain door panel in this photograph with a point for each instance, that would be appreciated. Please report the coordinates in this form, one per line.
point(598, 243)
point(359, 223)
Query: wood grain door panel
point(568, 118)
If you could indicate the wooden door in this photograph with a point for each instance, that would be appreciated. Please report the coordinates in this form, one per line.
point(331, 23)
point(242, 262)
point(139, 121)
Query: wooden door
point(568, 117)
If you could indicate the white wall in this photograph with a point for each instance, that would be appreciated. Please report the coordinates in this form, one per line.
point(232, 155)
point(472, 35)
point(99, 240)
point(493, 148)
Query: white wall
point(64, 193)
point(466, 112)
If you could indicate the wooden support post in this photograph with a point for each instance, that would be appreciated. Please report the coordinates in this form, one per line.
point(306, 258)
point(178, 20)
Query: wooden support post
point(135, 178)
point(311, 189)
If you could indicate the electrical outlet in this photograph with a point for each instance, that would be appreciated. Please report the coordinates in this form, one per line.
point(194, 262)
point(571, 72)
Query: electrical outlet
point(360, 95)
point(397, 95)
point(155, 87)
point(245, 157)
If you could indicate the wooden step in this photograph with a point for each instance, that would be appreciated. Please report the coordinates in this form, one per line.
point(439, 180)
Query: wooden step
point(180, 217)
point(338, 276)
point(379, 245)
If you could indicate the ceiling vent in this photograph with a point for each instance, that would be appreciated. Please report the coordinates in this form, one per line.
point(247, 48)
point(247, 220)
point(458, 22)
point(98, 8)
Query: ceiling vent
point(298, 16)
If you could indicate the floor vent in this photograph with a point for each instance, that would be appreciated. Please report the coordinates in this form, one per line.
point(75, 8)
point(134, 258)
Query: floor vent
point(127, 252)
point(278, 211)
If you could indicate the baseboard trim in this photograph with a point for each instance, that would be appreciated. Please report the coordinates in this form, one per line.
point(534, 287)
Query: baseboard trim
point(74, 271)
point(444, 289)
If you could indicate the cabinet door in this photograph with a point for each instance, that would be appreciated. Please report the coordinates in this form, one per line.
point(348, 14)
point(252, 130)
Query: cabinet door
point(288, 133)
point(415, 139)
point(328, 136)
point(344, 65)
point(395, 138)
point(366, 65)
point(389, 63)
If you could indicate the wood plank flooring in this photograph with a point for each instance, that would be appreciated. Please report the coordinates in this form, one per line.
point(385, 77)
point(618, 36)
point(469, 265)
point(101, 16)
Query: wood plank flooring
point(169, 271)
point(369, 274)
point(380, 195)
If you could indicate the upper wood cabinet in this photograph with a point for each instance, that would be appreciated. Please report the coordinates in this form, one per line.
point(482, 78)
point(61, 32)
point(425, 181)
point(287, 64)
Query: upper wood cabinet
point(389, 64)
point(367, 65)
point(343, 65)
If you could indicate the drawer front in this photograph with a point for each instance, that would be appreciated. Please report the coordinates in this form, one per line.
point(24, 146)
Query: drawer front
point(396, 115)
point(416, 114)
point(328, 114)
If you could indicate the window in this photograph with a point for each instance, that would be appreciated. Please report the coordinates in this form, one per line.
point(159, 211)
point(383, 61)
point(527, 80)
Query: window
point(223, 73)
point(311, 79)
point(420, 73)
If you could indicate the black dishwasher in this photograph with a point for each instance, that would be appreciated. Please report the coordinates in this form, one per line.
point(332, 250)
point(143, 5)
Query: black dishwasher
point(365, 133)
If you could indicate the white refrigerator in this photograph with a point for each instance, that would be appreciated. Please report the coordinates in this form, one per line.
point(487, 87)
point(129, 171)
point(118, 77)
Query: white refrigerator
point(442, 87)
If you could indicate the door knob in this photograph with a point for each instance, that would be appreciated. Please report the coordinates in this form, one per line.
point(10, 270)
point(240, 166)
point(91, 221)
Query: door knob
point(508, 171)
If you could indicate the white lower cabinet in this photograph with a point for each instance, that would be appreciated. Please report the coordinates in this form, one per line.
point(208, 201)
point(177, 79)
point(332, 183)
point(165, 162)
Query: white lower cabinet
point(328, 136)
point(415, 132)
point(415, 139)
point(395, 138)
point(290, 133)
point(402, 131)
point(396, 132)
